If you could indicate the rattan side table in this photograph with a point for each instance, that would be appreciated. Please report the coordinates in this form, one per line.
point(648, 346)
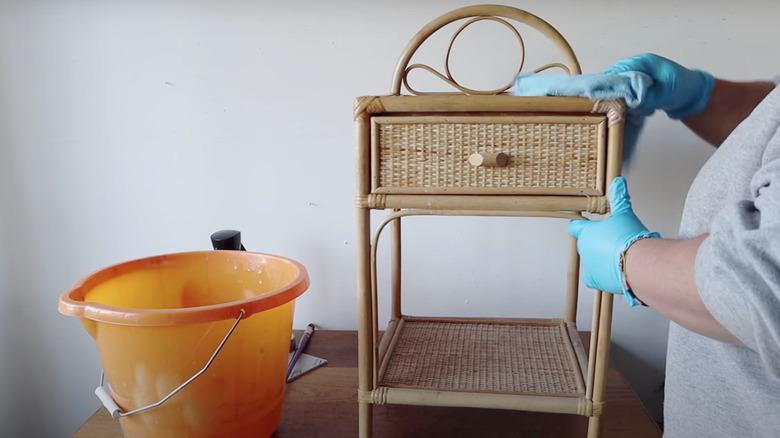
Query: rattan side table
point(475, 153)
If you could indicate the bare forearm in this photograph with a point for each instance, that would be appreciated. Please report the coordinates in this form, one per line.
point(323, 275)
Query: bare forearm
point(730, 103)
point(661, 274)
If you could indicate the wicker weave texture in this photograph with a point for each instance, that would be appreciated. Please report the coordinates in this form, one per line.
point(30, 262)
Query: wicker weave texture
point(541, 155)
point(505, 358)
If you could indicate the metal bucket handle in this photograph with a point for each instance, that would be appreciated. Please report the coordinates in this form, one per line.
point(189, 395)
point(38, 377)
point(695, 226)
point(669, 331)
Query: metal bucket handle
point(116, 412)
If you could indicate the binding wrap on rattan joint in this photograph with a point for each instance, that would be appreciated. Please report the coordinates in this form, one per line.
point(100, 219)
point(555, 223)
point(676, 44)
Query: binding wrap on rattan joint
point(368, 104)
point(597, 204)
point(377, 396)
point(372, 200)
point(588, 408)
point(614, 109)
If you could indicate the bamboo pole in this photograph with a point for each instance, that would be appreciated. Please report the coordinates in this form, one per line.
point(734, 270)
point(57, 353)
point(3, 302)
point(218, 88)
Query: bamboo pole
point(395, 255)
point(602, 361)
point(603, 339)
point(579, 350)
point(459, 103)
point(366, 375)
point(421, 397)
point(389, 340)
point(464, 203)
point(594, 426)
point(592, 352)
point(572, 283)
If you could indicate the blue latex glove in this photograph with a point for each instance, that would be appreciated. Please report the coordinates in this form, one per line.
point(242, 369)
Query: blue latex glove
point(677, 90)
point(601, 243)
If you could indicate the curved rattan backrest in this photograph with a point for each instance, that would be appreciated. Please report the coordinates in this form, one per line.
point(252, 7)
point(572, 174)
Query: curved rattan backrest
point(495, 13)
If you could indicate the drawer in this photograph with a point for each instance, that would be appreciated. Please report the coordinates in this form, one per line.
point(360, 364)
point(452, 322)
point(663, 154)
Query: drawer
point(561, 154)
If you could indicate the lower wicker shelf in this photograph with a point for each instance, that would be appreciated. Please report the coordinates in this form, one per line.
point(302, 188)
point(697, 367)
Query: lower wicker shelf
point(493, 363)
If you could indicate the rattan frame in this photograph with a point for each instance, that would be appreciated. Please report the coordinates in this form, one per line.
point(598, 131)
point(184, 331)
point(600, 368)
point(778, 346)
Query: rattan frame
point(389, 371)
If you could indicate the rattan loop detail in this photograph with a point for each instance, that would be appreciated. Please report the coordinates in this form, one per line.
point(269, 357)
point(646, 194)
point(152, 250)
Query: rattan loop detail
point(478, 13)
point(553, 65)
point(449, 79)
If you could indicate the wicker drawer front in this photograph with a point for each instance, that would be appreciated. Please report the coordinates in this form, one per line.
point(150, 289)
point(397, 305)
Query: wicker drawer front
point(547, 154)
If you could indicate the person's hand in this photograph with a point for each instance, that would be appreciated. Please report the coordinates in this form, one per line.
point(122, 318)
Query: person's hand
point(677, 90)
point(601, 243)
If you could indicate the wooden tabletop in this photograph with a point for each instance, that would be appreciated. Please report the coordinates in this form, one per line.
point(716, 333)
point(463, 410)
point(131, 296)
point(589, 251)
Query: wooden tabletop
point(323, 404)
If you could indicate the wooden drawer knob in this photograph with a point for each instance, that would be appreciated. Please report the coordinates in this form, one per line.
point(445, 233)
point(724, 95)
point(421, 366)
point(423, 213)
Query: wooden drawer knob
point(498, 159)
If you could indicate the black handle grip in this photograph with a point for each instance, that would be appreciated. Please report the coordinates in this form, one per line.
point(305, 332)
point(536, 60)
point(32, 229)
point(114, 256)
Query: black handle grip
point(227, 239)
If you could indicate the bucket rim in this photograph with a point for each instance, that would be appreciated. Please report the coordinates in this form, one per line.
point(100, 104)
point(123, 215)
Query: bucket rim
point(71, 303)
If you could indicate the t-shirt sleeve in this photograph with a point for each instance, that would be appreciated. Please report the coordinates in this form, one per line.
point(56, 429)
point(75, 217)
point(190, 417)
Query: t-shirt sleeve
point(738, 266)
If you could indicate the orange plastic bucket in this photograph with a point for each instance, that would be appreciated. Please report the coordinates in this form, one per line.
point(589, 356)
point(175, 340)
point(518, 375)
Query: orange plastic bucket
point(215, 325)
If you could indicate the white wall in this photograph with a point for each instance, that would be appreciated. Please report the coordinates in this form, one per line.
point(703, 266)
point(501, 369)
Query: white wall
point(129, 129)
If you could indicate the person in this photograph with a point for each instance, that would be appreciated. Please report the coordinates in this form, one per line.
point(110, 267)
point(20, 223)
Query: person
point(719, 281)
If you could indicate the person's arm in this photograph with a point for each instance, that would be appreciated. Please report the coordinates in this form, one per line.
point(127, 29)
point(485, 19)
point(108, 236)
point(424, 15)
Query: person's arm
point(659, 272)
point(710, 107)
point(729, 104)
point(673, 294)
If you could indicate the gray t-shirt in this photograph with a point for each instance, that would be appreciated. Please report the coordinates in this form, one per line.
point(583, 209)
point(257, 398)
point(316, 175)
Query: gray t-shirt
point(714, 389)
